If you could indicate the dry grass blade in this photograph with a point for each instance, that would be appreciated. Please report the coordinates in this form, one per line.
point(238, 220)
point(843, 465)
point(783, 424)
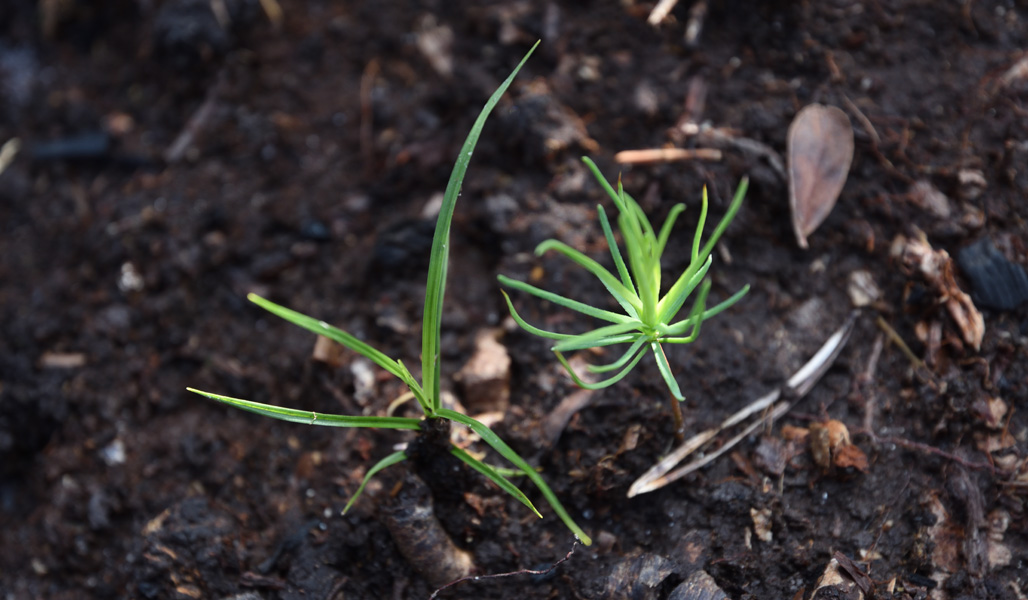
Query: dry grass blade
point(820, 149)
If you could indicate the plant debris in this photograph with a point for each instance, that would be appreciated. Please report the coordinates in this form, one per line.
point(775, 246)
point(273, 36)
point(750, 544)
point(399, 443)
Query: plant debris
point(820, 149)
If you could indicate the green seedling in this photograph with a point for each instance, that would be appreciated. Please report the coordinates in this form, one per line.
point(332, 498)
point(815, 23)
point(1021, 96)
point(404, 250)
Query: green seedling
point(426, 391)
point(649, 319)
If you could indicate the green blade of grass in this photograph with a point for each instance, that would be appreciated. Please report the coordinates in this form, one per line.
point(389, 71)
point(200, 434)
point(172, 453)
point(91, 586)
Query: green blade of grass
point(687, 277)
point(607, 335)
point(665, 230)
point(619, 261)
point(388, 461)
point(625, 297)
point(679, 327)
point(604, 183)
point(575, 305)
point(415, 388)
point(552, 335)
point(669, 305)
point(620, 362)
point(665, 371)
point(312, 418)
point(332, 333)
point(495, 477)
point(506, 452)
point(435, 288)
point(733, 208)
point(698, 235)
point(696, 315)
point(599, 385)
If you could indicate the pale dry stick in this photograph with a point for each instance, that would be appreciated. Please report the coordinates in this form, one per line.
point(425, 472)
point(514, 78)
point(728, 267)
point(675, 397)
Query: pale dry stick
point(661, 155)
point(697, 14)
point(661, 11)
point(7, 153)
point(196, 122)
point(864, 121)
point(895, 338)
point(866, 379)
point(274, 12)
point(221, 13)
point(876, 140)
point(509, 574)
point(795, 388)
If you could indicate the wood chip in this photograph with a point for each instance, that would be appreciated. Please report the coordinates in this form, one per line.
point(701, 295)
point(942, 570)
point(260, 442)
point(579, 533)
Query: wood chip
point(663, 155)
point(62, 360)
point(820, 150)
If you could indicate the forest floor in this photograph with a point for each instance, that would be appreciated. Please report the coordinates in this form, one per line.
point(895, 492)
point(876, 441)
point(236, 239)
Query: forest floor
point(177, 155)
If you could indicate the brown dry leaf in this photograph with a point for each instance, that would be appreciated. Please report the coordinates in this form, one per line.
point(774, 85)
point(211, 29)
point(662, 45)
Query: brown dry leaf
point(937, 268)
point(850, 455)
point(820, 149)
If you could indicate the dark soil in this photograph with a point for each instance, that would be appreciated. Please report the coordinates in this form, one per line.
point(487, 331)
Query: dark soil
point(125, 259)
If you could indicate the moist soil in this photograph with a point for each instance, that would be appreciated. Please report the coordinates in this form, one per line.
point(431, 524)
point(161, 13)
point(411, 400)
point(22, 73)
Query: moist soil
point(177, 155)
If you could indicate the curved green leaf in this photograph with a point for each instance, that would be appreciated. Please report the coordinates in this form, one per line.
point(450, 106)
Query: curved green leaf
point(679, 327)
point(552, 335)
point(617, 364)
point(606, 382)
point(665, 371)
point(495, 477)
point(435, 288)
point(312, 418)
point(500, 446)
point(625, 297)
point(388, 461)
point(332, 333)
point(575, 305)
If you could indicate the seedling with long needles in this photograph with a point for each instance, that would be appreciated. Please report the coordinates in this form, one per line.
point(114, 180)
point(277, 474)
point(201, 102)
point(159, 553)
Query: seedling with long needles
point(648, 320)
point(426, 391)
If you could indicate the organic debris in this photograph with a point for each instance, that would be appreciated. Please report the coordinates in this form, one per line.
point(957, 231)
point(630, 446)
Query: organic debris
point(486, 376)
point(767, 408)
point(820, 149)
point(936, 267)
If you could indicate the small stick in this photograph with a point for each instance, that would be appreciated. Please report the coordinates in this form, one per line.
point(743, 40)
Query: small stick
point(661, 11)
point(7, 153)
point(697, 14)
point(659, 155)
point(912, 445)
point(920, 369)
point(509, 574)
point(196, 122)
point(274, 12)
point(870, 399)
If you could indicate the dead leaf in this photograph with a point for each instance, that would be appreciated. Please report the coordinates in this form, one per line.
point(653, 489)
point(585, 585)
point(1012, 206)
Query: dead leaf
point(937, 268)
point(762, 524)
point(848, 456)
point(820, 149)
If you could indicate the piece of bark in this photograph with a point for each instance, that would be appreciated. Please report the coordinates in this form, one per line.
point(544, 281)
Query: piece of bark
point(820, 150)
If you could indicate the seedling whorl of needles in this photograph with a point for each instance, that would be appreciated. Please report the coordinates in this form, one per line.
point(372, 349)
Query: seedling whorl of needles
point(648, 319)
point(427, 391)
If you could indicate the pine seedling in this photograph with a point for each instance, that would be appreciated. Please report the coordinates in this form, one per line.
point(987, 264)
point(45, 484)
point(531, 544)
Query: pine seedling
point(648, 320)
